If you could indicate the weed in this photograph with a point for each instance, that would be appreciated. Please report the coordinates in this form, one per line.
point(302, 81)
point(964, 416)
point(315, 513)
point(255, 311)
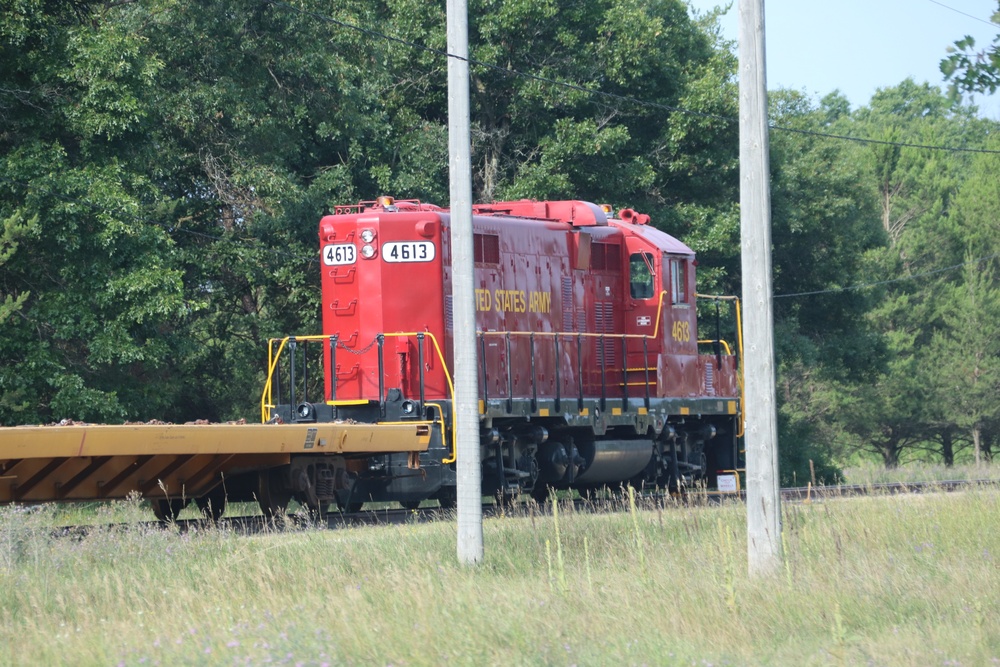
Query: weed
point(858, 589)
point(639, 546)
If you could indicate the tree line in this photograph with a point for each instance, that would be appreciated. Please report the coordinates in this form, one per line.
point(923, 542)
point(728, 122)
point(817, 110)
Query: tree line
point(163, 165)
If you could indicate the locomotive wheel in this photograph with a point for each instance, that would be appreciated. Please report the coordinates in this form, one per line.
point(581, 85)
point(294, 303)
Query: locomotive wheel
point(541, 493)
point(213, 504)
point(273, 496)
point(167, 511)
point(351, 508)
point(318, 514)
point(448, 501)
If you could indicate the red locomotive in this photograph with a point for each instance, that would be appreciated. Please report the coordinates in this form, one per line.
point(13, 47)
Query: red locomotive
point(589, 367)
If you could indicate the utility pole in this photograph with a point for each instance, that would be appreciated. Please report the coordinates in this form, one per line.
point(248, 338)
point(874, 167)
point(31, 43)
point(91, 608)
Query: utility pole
point(470, 495)
point(761, 435)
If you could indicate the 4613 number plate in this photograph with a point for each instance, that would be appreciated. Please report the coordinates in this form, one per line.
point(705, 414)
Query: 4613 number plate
point(408, 251)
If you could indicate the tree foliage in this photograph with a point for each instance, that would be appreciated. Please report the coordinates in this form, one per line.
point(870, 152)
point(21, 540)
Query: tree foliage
point(973, 70)
point(920, 294)
point(163, 165)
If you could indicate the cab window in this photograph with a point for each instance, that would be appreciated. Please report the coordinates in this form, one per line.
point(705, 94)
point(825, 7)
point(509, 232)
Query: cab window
point(678, 281)
point(641, 275)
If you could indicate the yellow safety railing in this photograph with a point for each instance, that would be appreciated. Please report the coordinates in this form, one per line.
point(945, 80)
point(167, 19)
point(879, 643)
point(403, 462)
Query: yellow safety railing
point(571, 335)
point(739, 354)
point(655, 336)
point(272, 364)
point(712, 341)
point(274, 356)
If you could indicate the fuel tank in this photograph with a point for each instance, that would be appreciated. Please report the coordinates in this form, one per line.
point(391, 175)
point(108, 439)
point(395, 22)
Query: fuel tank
point(613, 460)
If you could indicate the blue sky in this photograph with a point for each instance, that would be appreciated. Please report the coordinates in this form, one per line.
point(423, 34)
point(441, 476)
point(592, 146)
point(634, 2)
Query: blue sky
point(858, 46)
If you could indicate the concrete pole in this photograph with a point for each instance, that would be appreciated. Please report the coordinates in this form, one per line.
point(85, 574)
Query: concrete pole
point(470, 495)
point(761, 439)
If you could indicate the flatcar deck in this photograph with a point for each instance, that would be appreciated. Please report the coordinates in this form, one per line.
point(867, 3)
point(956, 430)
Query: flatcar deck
point(95, 462)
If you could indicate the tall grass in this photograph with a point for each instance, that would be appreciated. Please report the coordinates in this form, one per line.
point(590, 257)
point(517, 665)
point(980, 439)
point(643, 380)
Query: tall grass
point(874, 473)
point(909, 580)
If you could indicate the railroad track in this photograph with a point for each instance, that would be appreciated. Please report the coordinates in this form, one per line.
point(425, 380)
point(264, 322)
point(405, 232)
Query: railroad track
point(611, 502)
point(882, 488)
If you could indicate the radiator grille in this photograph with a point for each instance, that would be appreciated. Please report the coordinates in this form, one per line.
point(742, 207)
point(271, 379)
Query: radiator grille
point(604, 322)
point(567, 303)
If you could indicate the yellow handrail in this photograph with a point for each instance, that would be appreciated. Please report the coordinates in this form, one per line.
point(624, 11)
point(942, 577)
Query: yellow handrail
point(272, 364)
point(273, 357)
point(655, 335)
point(739, 355)
point(712, 341)
point(736, 473)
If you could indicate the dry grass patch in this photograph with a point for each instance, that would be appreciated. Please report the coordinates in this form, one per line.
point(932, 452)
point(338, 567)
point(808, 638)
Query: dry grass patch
point(889, 580)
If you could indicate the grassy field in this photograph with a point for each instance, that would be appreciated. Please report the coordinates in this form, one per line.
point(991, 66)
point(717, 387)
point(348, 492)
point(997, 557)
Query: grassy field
point(919, 472)
point(911, 580)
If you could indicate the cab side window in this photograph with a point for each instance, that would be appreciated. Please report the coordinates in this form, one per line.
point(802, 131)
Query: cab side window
point(678, 280)
point(641, 275)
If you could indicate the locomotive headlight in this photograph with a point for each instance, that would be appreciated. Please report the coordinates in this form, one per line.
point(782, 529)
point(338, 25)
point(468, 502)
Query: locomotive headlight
point(367, 235)
point(367, 251)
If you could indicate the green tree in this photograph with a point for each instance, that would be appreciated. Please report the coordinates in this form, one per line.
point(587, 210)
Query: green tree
point(613, 133)
point(176, 157)
point(12, 230)
point(973, 70)
point(904, 412)
point(967, 343)
point(99, 279)
point(969, 349)
point(823, 224)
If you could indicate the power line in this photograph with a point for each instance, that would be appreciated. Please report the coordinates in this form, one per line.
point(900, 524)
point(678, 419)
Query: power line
point(646, 103)
point(571, 86)
point(959, 11)
point(879, 283)
point(882, 142)
point(496, 68)
point(620, 98)
point(310, 259)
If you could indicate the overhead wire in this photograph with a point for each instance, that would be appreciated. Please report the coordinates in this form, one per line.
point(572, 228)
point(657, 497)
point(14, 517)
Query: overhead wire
point(885, 142)
point(923, 274)
point(959, 11)
point(507, 71)
point(601, 93)
point(646, 103)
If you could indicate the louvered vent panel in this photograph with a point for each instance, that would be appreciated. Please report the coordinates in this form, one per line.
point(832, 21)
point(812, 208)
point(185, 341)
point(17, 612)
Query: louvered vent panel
point(606, 257)
point(486, 248)
point(614, 259)
point(598, 256)
point(604, 322)
point(567, 303)
point(449, 313)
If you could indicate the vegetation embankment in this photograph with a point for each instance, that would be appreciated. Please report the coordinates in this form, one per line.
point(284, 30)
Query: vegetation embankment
point(164, 166)
point(910, 580)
